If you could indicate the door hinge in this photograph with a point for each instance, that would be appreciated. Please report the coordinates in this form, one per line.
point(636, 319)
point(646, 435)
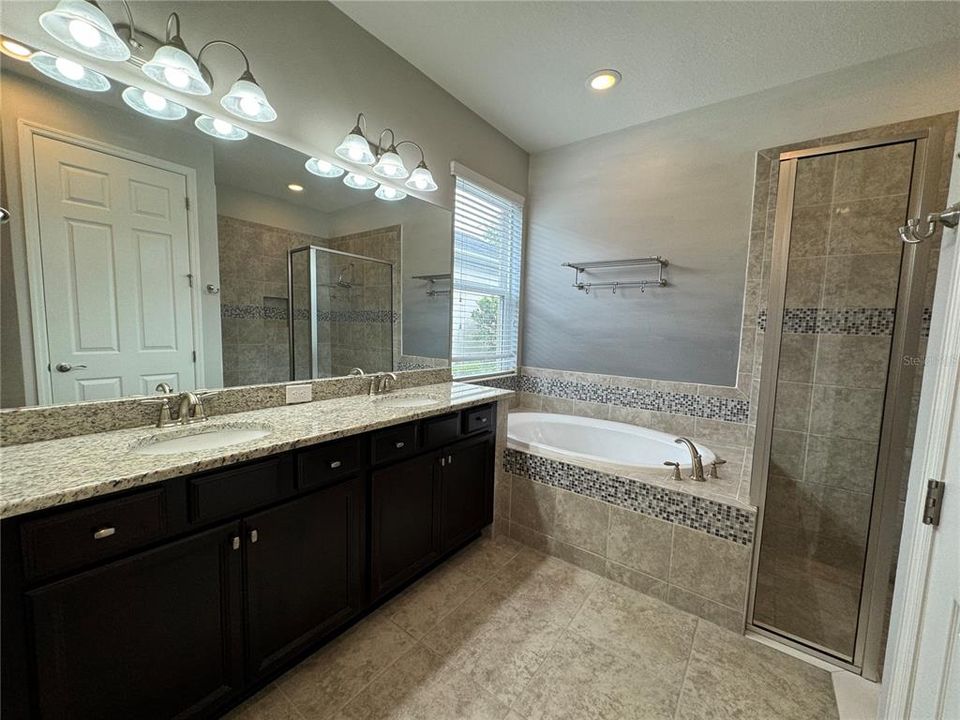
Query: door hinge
point(194, 354)
point(186, 203)
point(190, 279)
point(931, 508)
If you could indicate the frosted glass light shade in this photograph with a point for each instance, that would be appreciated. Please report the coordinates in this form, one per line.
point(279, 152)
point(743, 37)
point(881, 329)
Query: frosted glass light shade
point(322, 168)
point(421, 179)
point(153, 105)
point(83, 27)
point(69, 72)
point(359, 182)
point(174, 68)
point(355, 148)
point(390, 194)
point(247, 100)
point(390, 165)
point(215, 127)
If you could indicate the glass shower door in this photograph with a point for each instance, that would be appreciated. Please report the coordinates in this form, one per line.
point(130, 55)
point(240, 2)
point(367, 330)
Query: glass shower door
point(839, 260)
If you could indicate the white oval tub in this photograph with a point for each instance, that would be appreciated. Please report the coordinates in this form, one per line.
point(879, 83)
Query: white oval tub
point(598, 440)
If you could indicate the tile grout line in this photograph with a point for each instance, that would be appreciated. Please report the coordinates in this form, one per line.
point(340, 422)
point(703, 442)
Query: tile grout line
point(686, 669)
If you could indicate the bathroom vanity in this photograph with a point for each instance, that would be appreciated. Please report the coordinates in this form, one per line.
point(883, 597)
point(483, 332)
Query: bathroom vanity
point(183, 593)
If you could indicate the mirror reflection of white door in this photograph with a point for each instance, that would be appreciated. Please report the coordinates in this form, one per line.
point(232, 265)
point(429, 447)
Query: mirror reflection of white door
point(115, 256)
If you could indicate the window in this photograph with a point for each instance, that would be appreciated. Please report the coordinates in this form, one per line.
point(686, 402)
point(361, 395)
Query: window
point(487, 232)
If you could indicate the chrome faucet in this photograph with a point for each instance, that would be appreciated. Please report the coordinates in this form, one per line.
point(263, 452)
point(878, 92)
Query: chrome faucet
point(696, 461)
point(380, 382)
point(190, 408)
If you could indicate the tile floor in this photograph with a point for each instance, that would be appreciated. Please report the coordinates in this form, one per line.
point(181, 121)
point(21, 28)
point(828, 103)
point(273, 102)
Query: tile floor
point(501, 631)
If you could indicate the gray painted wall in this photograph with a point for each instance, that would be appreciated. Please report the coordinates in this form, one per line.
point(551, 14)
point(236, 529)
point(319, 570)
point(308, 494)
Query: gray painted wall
point(682, 188)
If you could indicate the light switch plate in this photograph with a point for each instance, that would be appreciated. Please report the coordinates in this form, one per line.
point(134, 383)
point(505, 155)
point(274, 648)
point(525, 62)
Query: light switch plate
point(299, 394)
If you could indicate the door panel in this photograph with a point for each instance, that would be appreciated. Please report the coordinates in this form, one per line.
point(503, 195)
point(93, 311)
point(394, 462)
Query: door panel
point(113, 234)
point(465, 486)
point(153, 636)
point(303, 571)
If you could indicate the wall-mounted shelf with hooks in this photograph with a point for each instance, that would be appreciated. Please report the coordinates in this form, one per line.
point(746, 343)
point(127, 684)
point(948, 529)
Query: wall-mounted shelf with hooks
point(432, 290)
point(582, 267)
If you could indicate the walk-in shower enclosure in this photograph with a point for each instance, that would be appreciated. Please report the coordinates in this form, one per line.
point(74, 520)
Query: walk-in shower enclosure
point(340, 313)
point(843, 349)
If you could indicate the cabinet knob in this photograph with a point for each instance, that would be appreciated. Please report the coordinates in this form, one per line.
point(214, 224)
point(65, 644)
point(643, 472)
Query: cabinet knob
point(400, 445)
point(335, 464)
point(254, 536)
point(103, 532)
point(235, 542)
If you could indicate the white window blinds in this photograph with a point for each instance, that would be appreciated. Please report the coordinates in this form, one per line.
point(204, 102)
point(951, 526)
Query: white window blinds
point(487, 232)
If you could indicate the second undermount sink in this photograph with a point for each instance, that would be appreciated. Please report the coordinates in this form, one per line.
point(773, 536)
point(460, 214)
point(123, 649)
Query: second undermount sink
point(195, 440)
point(406, 401)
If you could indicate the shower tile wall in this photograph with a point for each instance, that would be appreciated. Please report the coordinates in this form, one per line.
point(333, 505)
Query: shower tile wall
point(362, 327)
point(253, 299)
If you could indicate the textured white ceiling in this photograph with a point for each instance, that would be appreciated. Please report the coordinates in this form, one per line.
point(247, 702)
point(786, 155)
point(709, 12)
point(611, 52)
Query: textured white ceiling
point(522, 66)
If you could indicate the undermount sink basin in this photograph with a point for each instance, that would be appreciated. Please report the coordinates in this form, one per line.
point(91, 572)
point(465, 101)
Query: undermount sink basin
point(199, 439)
point(406, 401)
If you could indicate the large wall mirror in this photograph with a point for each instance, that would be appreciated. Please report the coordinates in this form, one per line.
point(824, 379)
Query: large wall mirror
point(142, 251)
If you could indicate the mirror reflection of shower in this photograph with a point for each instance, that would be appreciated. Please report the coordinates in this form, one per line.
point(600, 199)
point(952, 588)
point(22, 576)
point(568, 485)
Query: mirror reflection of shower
point(341, 313)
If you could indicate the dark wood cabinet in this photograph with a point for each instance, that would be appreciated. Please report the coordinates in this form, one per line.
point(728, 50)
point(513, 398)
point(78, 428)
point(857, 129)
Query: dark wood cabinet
point(404, 528)
point(179, 599)
point(157, 635)
point(303, 572)
point(466, 491)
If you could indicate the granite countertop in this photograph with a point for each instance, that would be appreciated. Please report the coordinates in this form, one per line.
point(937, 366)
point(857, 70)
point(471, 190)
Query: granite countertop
point(44, 474)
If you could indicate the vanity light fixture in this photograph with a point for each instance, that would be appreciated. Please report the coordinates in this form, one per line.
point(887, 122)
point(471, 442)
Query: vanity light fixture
point(69, 72)
point(390, 194)
point(174, 67)
point(603, 79)
point(218, 128)
point(153, 105)
point(421, 178)
point(246, 98)
point(82, 26)
point(322, 168)
point(355, 147)
point(359, 182)
point(294, 187)
point(11, 48)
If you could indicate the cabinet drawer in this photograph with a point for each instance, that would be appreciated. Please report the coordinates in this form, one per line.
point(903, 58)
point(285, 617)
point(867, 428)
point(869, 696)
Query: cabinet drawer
point(477, 419)
point(75, 538)
point(328, 461)
point(441, 430)
point(227, 492)
point(393, 443)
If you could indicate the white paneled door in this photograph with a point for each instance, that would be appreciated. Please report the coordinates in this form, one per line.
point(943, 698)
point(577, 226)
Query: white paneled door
point(115, 254)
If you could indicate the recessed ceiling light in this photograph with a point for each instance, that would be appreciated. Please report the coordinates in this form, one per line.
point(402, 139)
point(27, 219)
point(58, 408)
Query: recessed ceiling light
point(603, 79)
point(295, 188)
point(15, 49)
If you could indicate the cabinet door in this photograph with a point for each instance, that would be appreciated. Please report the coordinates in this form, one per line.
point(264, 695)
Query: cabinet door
point(157, 635)
point(303, 571)
point(466, 490)
point(405, 534)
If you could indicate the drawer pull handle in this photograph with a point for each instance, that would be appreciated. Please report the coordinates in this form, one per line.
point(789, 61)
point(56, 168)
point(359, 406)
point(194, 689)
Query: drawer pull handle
point(400, 445)
point(254, 536)
point(235, 543)
point(103, 532)
point(483, 420)
point(335, 464)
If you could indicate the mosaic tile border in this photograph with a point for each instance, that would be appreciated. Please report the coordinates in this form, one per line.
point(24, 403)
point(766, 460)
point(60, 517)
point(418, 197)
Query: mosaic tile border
point(505, 382)
point(876, 322)
point(709, 516)
point(714, 408)
point(270, 312)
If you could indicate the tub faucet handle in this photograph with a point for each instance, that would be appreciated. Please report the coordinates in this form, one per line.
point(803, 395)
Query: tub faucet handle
point(713, 468)
point(676, 469)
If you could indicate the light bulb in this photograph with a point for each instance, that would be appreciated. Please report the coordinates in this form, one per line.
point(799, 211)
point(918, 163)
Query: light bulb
point(176, 77)
point(322, 165)
point(70, 69)
point(84, 33)
point(249, 105)
point(355, 153)
point(154, 101)
point(222, 126)
point(15, 48)
point(419, 182)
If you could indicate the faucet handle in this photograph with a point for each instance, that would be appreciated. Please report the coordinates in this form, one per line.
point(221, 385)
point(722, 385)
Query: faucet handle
point(713, 468)
point(164, 388)
point(165, 417)
point(676, 469)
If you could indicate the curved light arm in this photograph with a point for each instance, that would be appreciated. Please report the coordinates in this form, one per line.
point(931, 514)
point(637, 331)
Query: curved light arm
point(174, 19)
point(411, 142)
point(393, 138)
point(362, 117)
point(246, 60)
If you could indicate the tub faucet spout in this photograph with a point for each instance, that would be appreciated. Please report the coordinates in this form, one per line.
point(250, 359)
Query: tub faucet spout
point(696, 461)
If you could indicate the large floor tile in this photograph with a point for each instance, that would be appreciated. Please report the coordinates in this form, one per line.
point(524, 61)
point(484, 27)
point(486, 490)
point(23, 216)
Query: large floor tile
point(485, 556)
point(323, 683)
point(635, 625)
point(420, 686)
point(421, 606)
point(730, 676)
point(498, 643)
point(268, 704)
point(582, 680)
